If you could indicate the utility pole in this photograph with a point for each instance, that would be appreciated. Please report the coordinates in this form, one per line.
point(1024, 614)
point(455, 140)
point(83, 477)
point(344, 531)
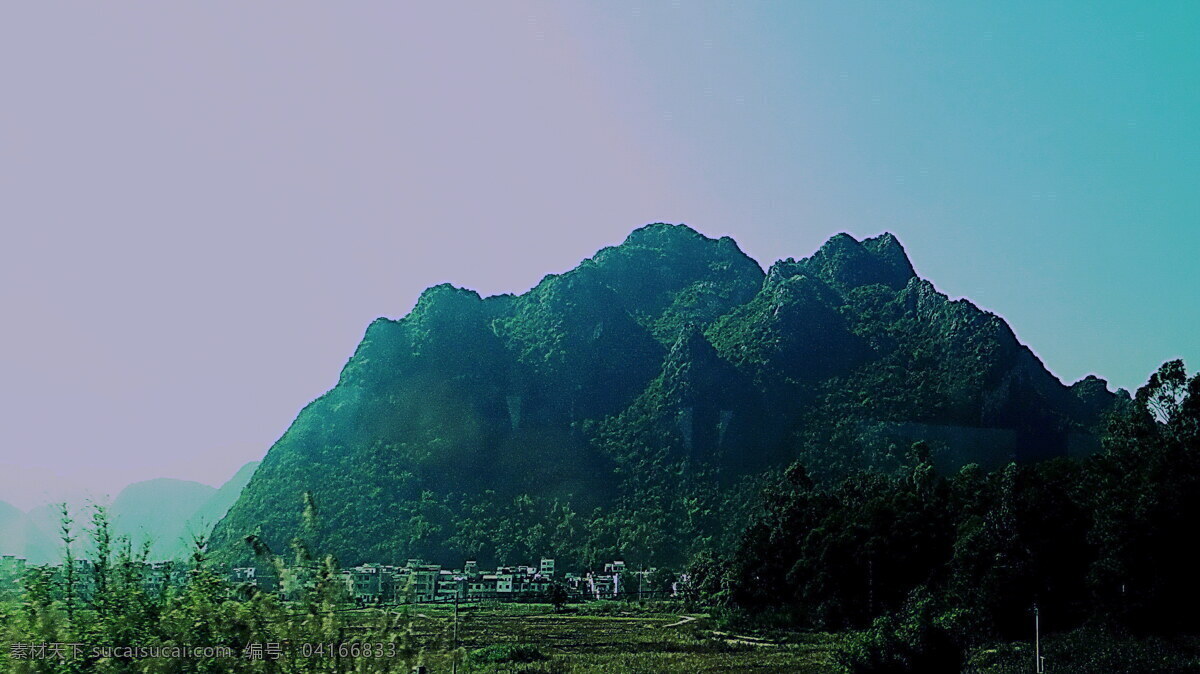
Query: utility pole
point(454, 651)
point(1038, 665)
point(871, 587)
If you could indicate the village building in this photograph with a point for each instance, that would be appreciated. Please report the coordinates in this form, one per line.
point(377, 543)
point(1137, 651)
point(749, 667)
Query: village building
point(418, 581)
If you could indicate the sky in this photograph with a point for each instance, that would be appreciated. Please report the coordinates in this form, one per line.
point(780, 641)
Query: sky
point(203, 205)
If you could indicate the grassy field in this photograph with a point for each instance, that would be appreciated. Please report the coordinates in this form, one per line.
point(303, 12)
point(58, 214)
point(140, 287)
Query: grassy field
point(610, 637)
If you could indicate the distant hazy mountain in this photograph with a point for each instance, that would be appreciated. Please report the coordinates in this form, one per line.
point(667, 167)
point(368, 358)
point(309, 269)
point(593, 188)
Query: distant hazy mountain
point(156, 511)
point(21, 537)
point(170, 513)
point(9, 515)
point(165, 512)
point(625, 408)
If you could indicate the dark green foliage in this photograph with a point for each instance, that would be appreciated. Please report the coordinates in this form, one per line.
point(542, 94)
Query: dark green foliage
point(912, 640)
point(839, 556)
point(502, 653)
point(1092, 649)
point(557, 595)
point(1150, 480)
point(931, 565)
point(629, 407)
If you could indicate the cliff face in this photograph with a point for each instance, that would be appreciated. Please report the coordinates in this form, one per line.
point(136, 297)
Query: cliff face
point(594, 413)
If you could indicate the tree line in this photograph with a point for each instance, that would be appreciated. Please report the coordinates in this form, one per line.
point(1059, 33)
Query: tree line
point(932, 565)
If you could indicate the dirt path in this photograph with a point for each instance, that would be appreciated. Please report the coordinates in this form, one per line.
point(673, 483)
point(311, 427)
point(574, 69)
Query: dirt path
point(726, 636)
point(744, 639)
point(683, 620)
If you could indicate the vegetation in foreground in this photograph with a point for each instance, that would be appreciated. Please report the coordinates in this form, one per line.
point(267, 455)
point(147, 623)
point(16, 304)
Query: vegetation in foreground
point(318, 630)
point(1091, 650)
point(318, 634)
point(934, 568)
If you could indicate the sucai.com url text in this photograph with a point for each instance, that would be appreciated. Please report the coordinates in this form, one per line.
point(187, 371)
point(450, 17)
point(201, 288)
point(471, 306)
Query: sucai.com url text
point(76, 651)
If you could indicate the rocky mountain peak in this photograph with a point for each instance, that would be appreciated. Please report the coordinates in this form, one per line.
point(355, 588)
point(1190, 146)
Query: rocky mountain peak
point(845, 263)
point(670, 347)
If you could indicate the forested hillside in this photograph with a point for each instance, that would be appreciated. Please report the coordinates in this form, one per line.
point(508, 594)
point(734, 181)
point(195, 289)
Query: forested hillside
point(938, 566)
point(632, 406)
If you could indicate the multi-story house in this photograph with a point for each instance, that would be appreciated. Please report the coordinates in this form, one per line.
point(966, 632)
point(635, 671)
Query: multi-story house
point(483, 585)
point(370, 583)
point(158, 576)
point(451, 585)
point(254, 576)
point(617, 566)
point(504, 583)
point(420, 580)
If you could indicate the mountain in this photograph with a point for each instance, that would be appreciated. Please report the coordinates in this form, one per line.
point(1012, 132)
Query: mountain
point(169, 513)
point(21, 537)
point(155, 511)
point(164, 512)
point(9, 515)
point(628, 407)
point(207, 515)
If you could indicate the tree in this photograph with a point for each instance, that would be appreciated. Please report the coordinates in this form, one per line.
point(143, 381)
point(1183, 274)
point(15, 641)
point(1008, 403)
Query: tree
point(557, 595)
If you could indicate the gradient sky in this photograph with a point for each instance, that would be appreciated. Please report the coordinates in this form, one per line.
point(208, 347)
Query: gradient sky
point(204, 204)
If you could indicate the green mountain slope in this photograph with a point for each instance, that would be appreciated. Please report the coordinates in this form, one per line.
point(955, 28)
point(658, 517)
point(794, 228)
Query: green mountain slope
point(626, 407)
point(207, 515)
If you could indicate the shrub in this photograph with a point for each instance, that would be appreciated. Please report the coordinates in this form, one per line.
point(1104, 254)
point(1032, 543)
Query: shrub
point(500, 653)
